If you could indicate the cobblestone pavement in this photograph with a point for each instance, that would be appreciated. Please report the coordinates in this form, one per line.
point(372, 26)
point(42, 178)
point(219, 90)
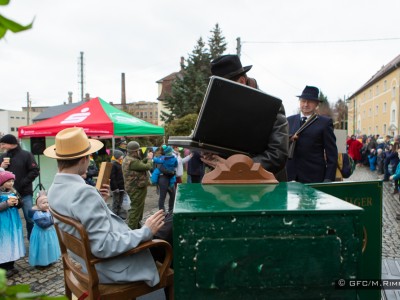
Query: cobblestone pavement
point(390, 206)
point(50, 280)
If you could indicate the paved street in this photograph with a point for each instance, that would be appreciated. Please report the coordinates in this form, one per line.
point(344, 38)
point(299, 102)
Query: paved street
point(50, 280)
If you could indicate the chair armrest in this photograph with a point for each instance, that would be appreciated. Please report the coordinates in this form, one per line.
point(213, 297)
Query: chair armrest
point(147, 245)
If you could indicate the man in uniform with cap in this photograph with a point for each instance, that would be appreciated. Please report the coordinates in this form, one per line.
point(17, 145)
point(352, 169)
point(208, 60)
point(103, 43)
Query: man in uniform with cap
point(273, 159)
point(23, 165)
point(136, 177)
point(315, 154)
point(109, 235)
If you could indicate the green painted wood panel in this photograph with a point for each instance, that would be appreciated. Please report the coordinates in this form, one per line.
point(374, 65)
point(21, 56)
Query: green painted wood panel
point(286, 241)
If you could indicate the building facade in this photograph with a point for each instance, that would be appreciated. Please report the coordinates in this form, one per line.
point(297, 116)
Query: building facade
point(11, 120)
point(374, 108)
point(165, 89)
point(144, 110)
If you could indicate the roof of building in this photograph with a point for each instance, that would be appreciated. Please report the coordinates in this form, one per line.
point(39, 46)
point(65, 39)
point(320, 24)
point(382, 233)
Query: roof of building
point(53, 111)
point(167, 84)
point(386, 69)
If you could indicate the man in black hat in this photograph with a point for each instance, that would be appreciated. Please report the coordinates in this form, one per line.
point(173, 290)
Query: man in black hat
point(315, 154)
point(22, 163)
point(273, 159)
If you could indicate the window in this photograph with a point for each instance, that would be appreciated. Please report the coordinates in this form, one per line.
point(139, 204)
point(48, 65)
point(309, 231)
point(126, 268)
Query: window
point(376, 130)
point(17, 118)
point(393, 92)
point(12, 128)
point(376, 109)
point(384, 129)
point(393, 116)
point(12, 117)
point(384, 107)
point(384, 86)
point(377, 90)
point(370, 112)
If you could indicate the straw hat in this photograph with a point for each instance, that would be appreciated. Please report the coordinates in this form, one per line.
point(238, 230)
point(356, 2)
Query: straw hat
point(72, 143)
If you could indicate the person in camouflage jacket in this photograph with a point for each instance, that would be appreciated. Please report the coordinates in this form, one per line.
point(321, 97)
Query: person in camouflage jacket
point(135, 171)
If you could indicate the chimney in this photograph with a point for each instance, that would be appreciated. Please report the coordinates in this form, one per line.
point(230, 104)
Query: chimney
point(182, 63)
point(123, 95)
point(69, 97)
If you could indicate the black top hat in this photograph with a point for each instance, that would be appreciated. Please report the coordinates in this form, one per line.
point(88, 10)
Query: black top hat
point(310, 93)
point(228, 66)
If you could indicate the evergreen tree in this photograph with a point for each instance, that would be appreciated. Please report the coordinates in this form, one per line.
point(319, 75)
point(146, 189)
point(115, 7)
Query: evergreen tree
point(216, 42)
point(187, 90)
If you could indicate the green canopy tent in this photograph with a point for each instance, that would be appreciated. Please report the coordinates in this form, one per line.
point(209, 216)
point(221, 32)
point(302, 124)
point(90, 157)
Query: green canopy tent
point(98, 118)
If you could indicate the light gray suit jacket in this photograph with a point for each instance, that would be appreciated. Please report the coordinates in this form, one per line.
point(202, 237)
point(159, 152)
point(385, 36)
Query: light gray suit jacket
point(108, 234)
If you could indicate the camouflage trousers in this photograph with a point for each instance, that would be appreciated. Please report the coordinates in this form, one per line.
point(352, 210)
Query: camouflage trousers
point(138, 196)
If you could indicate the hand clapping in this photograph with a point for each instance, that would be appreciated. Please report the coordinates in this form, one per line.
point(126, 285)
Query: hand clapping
point(156, 221)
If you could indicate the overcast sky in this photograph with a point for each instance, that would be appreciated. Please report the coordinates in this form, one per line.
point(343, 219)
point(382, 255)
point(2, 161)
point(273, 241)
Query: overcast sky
point(145, 40)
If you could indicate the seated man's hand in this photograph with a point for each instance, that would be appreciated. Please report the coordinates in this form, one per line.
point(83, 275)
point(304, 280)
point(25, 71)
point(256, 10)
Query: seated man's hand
point(105, 191)
point(156, 221)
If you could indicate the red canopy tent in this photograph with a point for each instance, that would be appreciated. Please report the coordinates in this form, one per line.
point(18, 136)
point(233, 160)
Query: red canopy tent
point(98, 118)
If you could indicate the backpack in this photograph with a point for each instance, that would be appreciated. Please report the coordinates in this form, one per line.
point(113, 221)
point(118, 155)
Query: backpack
point(346, 165)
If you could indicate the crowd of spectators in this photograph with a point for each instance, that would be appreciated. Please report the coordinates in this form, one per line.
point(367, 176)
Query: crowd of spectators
point(379, 154)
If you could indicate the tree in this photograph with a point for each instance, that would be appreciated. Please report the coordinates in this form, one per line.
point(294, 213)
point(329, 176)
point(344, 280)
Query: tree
point(182, 126)
point(7, 24)
point(216, 42)
point(324, 106)
point(187, 90)
point(340, 110)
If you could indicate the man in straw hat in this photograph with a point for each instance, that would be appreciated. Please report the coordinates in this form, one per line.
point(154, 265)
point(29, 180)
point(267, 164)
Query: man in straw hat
point(315, 154)
point(108, 234)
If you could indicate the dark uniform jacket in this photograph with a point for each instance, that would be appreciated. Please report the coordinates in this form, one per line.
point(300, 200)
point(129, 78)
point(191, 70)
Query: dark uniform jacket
point(314, 144)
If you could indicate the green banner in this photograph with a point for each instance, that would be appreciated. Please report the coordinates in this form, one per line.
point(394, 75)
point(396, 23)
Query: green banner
point(368, 195)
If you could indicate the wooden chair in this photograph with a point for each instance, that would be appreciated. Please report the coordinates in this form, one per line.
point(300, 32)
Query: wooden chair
point(87, 286)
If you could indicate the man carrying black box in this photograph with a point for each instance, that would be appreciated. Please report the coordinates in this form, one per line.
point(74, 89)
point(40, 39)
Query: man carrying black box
point(273, 159)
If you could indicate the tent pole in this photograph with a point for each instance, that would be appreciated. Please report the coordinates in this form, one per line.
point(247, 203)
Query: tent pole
point(113, 144)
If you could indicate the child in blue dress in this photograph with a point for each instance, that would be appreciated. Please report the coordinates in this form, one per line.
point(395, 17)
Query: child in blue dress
point(43, 245)
point(11, 235)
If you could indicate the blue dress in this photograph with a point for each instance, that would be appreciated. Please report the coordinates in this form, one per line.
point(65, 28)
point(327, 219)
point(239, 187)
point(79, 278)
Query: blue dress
point(11, 235)
point(43, 244)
